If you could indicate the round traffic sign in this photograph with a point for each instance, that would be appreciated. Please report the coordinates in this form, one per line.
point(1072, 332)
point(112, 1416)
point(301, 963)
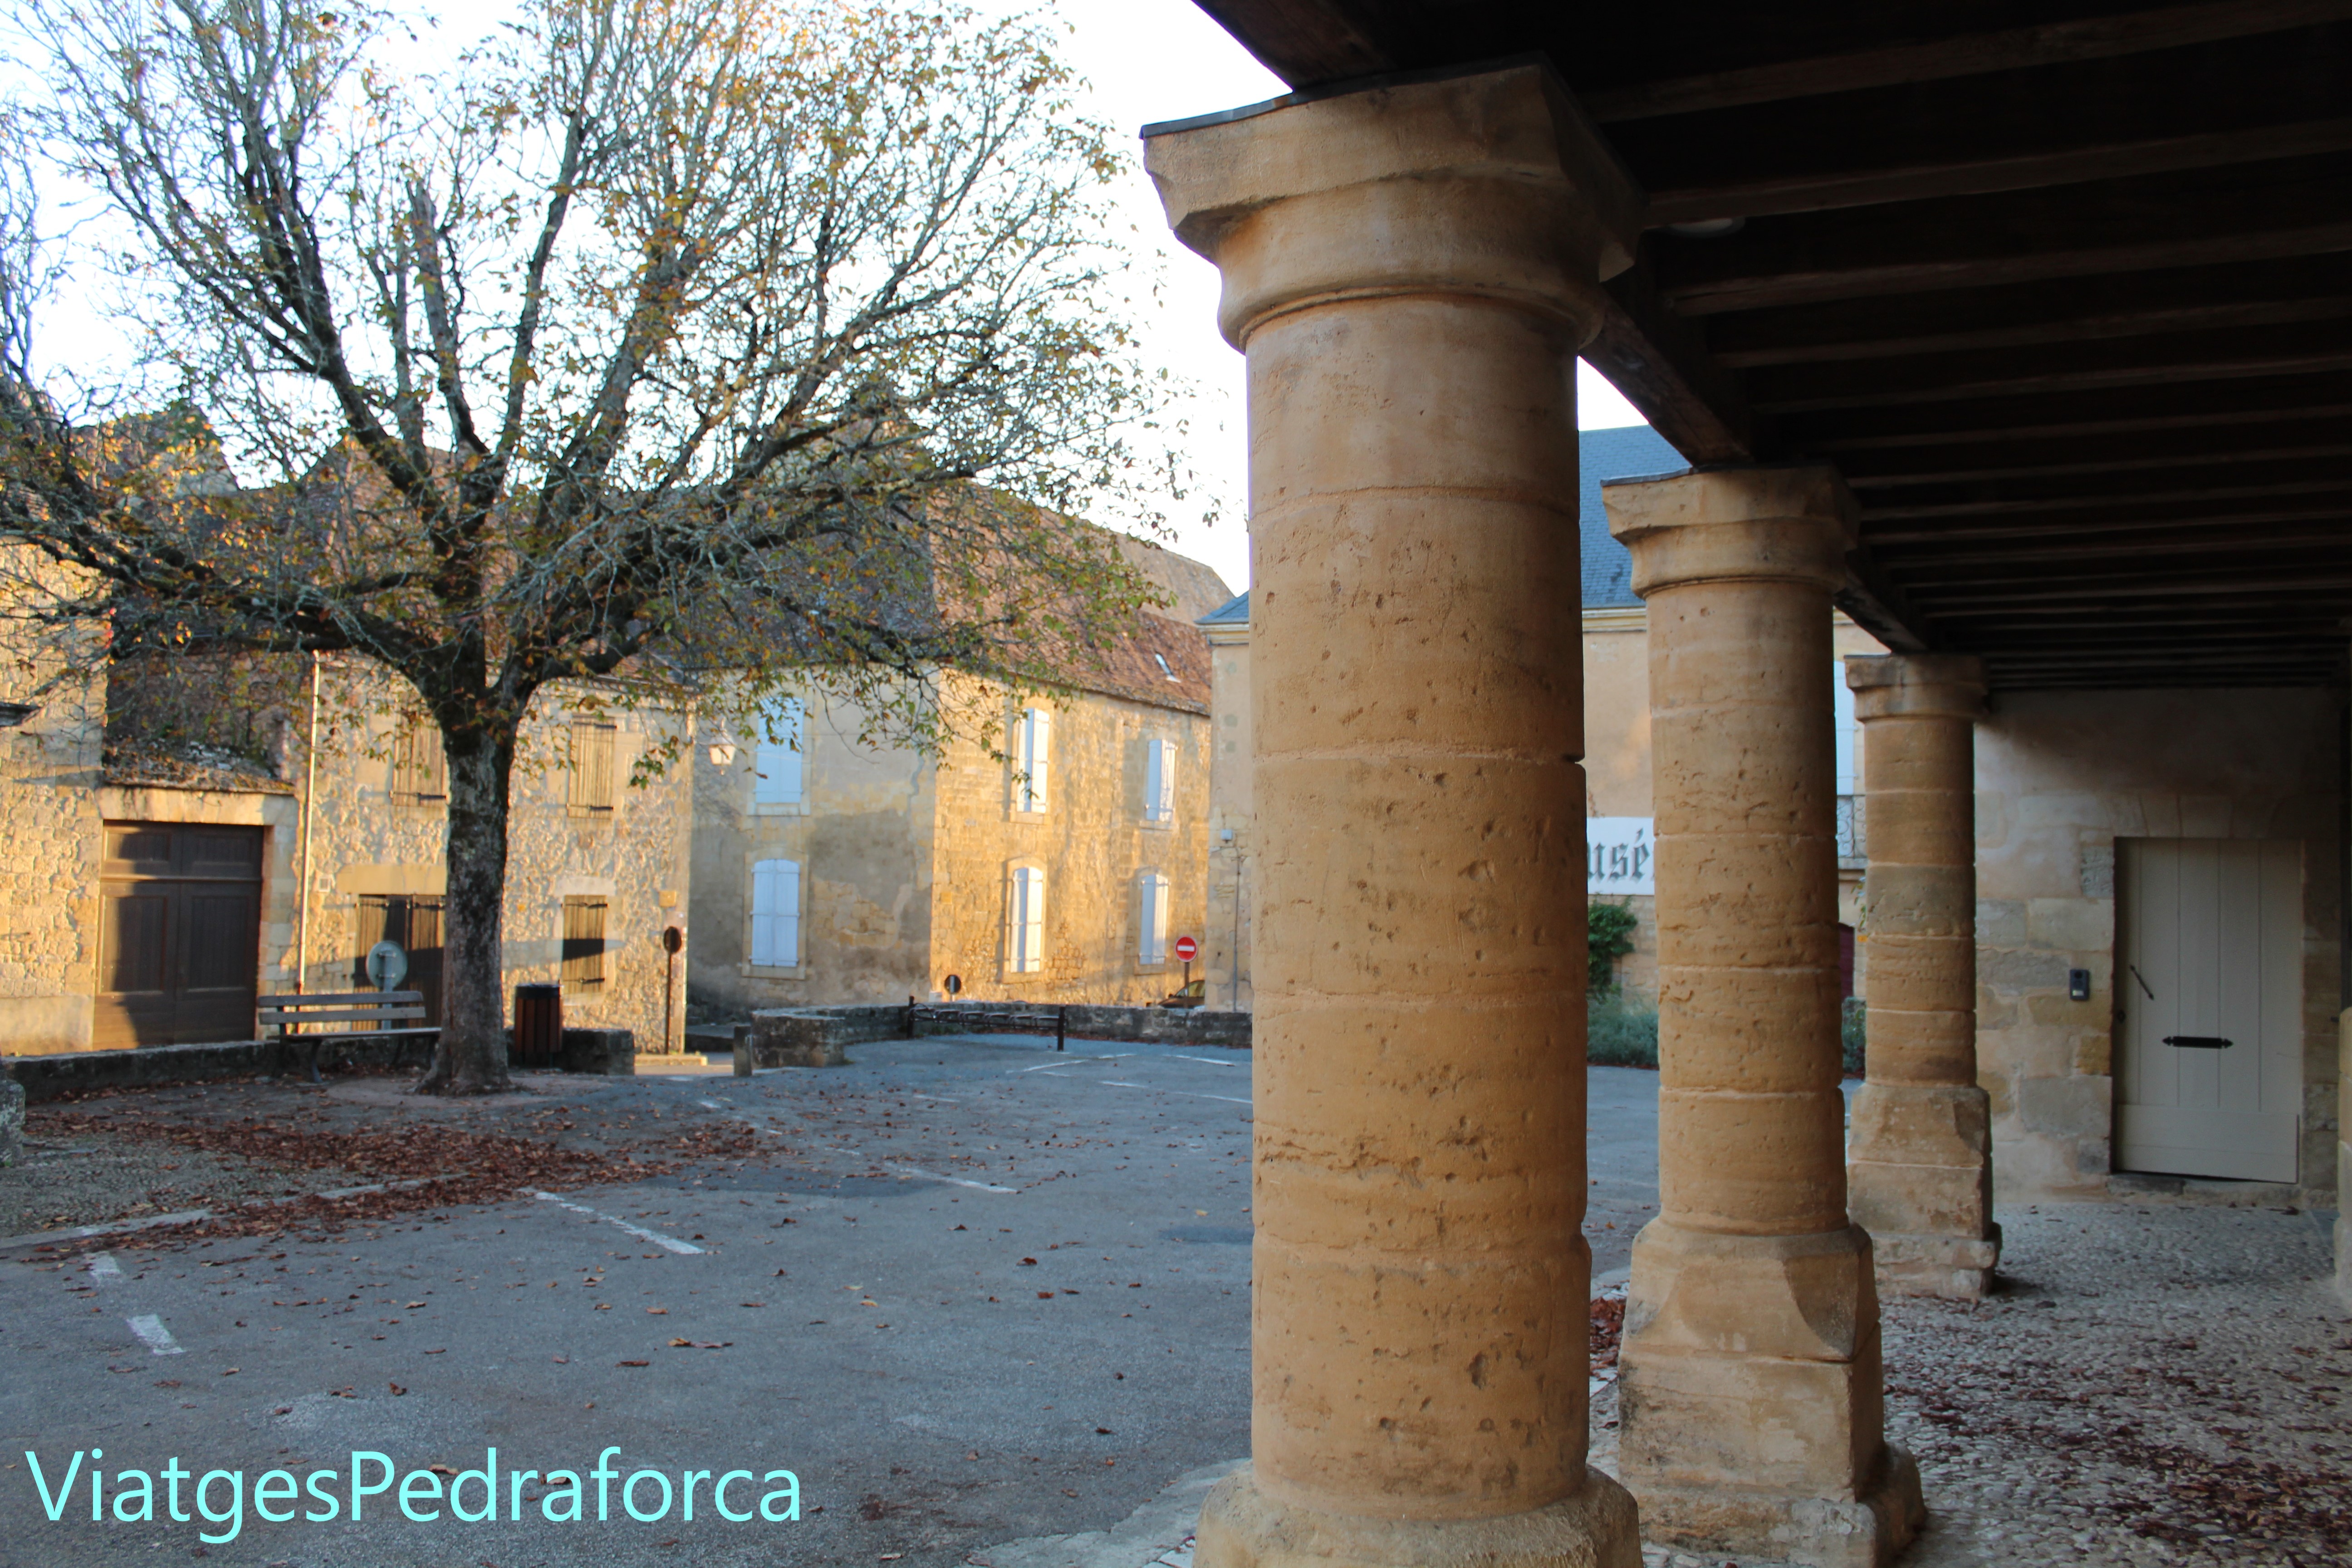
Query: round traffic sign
point(1187, 950)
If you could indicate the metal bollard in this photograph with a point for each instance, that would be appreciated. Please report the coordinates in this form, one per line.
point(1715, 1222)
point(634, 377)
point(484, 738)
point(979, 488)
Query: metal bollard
point(742, 1050)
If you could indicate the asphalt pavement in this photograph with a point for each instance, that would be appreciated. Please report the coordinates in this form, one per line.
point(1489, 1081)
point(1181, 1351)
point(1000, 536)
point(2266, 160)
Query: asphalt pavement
point(980, 1293)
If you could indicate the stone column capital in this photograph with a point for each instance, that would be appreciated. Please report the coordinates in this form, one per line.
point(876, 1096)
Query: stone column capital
point(1915, 685)
point(1791, 524)
point(1490, 183)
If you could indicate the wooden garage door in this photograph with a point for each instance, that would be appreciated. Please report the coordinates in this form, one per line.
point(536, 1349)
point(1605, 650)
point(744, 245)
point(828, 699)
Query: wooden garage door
point(179, 933)
point(2209, 1043)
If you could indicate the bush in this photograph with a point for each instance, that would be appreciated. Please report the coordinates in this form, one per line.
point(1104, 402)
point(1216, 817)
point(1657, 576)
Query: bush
point(1619, 1033)
point(1850, 1036)
point(1608, 937)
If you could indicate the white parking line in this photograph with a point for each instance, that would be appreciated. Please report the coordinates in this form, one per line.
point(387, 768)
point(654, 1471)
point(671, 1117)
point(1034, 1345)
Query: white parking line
point(157, 1338)
point(1073, 1062)
point(640, 1232)
point(1114, 1083)
point(1211, 1060)
point(918, 1170)
point(104, 1269)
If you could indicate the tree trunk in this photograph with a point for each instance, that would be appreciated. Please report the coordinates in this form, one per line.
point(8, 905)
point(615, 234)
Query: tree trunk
point(471, 1058)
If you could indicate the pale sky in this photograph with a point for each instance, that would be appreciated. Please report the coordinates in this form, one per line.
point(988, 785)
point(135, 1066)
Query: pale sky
point(1150, 60)
point(1146, 60)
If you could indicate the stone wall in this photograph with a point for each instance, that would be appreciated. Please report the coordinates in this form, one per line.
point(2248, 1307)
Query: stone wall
point(48, 875)
point(1232, 820)
point(1092, 840)
point(862, 837)
point(636, 857)
point(2059, 777)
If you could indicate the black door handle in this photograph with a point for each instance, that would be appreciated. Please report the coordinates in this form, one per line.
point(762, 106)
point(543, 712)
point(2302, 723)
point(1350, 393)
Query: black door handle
point(2198, 1042)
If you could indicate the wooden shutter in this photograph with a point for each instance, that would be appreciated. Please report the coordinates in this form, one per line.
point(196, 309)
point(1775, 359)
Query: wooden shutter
point(1035, 758)
point(583, 942)
point(419, 773)
point(776, 914)
point(1151, 890)
point(592, 768)
point(1026, 938)
point(1160, 781)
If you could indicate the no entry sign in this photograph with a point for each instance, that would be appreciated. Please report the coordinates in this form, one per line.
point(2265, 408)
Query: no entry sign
point(1187, 950)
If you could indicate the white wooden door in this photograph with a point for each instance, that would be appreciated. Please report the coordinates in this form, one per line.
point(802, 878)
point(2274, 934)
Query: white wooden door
point(2211, 950)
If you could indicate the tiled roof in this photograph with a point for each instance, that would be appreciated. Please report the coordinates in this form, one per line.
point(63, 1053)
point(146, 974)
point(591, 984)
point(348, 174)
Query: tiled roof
point(1630, 451)
point(1234, 610)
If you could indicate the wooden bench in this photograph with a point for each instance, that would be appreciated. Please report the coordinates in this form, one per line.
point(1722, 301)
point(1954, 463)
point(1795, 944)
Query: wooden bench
point(973, 1020)
point(386, 1011)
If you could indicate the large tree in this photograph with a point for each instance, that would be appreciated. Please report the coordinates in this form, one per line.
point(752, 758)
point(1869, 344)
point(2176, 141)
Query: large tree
point(644, 339)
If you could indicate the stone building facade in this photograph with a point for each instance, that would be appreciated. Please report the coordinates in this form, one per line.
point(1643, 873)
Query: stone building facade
point(51, 744)
point(154, 895)
point(829, 869)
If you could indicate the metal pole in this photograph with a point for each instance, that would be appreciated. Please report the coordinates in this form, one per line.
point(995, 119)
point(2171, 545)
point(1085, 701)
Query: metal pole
point(303, 882)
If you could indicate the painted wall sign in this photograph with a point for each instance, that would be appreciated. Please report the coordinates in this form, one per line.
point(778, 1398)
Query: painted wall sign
point(1621, 854)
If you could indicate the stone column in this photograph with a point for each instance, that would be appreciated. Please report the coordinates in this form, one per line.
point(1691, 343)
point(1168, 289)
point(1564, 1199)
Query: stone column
point(1750, 1371)
point(1410, 271)
point(1919, 1160)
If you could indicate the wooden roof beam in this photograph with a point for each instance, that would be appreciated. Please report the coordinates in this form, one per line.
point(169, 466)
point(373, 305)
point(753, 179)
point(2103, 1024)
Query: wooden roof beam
point(1942, 59)
point(2291, 206)
point(2235, 354)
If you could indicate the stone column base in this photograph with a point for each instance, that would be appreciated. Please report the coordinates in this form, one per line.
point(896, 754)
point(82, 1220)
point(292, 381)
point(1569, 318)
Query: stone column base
point(1955, 1267)
point(1919, 1179)
point(1241, 1527)
point(1871, 1530)
point(1751, 1399)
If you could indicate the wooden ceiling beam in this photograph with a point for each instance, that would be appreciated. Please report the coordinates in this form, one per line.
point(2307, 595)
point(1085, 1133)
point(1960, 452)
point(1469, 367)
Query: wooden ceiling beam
point(2238, 354)
point(1942, 59)
point(1657, 361)
point(2064, 310)
point(2118, 520)
point(2061, 416)
point(2290, 206)
point(2107, 494)
point(1875, 473)
point(2223, 543)
point(2086, 599)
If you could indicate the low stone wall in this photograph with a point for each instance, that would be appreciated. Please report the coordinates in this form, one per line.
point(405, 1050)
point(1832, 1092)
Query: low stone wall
point(821, 1036)
point(609, 1051)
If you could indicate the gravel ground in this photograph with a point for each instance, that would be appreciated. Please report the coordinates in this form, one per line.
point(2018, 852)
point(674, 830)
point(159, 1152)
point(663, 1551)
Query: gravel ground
point(2150, 1385)
point(84, 1180)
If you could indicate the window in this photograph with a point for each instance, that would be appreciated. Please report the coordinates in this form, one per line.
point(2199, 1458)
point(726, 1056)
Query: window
point(413, 921)
point(1152, 900)
point(1160, 781)
point(1032, 757)
point(776, 914)
point(583, 943)
point(419, 774)
point(592, 769)
point(777, 760)
point(1024, 935)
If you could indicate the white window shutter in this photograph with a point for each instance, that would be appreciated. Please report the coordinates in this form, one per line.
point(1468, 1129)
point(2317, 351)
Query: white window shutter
point(1152, 889)
point(1037, 757)
point(776, 914)
point(778, 762)
point(1159, 783)
point(1028, 920)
